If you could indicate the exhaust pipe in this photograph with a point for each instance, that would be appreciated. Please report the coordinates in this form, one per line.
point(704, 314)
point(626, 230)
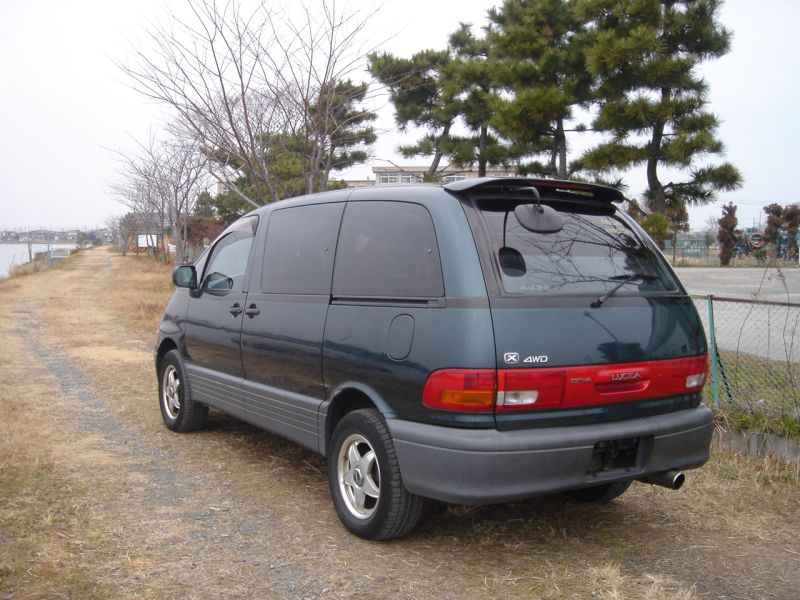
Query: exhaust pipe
point(668, 479)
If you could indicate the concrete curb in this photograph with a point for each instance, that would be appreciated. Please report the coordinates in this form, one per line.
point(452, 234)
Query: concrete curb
point(758, 445)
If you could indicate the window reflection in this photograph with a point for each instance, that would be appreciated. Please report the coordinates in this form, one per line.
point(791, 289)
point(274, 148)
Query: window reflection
point(592, 253)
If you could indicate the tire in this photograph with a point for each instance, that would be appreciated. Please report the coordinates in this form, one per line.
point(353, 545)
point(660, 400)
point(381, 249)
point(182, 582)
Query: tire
point(601, 493)
point(364, 476)
point(179, 411)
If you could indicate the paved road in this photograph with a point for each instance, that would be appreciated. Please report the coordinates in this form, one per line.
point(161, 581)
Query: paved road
point(779, 285)
point(745, 328)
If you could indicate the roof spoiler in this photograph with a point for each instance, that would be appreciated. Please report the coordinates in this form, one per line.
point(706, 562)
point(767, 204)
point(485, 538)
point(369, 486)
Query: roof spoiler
point(547, 187)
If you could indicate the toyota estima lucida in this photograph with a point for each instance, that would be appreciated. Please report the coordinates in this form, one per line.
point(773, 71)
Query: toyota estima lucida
point(482, 342)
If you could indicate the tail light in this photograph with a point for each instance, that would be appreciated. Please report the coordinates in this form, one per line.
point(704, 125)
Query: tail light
point(483, 390)
point(471, 390)
point(691, 371)
point(529, 388)
point(506, 390)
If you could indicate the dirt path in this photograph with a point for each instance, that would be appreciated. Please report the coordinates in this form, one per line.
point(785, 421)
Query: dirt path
point(99, 500)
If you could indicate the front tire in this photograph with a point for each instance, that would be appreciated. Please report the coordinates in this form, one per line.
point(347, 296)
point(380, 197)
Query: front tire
point(179, 411)
point(365, 481)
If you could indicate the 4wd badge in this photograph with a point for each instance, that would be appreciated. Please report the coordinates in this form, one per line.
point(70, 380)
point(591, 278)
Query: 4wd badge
point(512, 358)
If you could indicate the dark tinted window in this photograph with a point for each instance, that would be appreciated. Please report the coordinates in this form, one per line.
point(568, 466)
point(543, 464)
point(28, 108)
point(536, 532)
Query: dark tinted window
point(300, 246)
point(594, 251)
point(228, 260)
point(387, 249)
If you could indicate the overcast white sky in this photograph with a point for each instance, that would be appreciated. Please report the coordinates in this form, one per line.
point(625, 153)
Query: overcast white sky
point(63, 103)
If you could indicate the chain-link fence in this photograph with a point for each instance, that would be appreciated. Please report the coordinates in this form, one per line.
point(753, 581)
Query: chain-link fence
point(696, 251)
point(755, 361)
point(692, 252)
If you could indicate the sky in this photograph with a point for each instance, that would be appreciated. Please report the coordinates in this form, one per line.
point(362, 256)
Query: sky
point(66, 109)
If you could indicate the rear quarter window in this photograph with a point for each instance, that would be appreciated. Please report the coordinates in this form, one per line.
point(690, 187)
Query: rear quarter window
point(387, 249)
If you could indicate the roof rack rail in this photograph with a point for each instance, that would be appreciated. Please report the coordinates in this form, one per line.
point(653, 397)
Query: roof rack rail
point(589, 191)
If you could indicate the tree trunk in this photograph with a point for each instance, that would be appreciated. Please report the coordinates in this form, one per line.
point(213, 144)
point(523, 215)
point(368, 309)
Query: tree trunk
point(657, 191)
point(437, 155)
point(326, 170)
point(482, 151)
point(560, 146)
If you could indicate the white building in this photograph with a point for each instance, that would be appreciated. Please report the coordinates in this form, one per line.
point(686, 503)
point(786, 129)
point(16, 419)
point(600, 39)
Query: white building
point(394, 174)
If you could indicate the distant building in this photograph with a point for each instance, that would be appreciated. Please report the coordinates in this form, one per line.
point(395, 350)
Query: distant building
point(396, 174)
point(218, 188)
point(359, 183)
point(393, 174)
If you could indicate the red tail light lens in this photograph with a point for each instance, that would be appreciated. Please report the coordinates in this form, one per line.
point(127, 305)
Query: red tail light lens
point(471, 390)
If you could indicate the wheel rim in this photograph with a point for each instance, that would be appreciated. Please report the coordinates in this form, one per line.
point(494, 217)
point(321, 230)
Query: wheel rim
point(359, 476)
point(170, 392)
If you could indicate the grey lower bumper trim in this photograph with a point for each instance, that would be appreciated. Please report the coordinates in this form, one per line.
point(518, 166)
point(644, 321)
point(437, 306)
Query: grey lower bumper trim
point(490, 466)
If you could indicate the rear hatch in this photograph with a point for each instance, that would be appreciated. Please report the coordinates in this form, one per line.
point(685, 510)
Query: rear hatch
point(590, 322)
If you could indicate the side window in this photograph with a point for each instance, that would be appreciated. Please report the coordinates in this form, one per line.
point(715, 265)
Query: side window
point(301, 242)
point(387, 249)
point(226, 265)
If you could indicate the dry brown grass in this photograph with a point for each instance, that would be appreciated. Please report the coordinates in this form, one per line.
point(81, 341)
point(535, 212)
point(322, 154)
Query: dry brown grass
point(41, 510)
point(99, 500)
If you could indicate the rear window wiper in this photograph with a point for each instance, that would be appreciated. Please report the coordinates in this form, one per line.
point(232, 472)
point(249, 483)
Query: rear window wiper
point(623, 279)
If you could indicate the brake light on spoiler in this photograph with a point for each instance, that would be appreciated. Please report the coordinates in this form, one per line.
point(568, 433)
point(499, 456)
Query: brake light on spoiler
point(504, 390)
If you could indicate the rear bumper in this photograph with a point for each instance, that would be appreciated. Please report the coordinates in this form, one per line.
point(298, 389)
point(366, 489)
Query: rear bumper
point(490, 466)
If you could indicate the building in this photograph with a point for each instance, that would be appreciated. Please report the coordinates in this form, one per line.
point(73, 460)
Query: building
point(395, 174)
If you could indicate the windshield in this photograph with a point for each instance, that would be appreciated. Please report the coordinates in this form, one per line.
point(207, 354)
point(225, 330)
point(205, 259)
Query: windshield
point(594, 252)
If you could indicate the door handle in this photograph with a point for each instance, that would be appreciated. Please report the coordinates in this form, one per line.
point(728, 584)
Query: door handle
point(252, 310)
point(235, 310)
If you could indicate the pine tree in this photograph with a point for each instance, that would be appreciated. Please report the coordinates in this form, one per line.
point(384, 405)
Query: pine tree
point(348, 125)
point(421, 96)
point(537, 56)
point(470, 74)
point(644, 54)
point(440, 90)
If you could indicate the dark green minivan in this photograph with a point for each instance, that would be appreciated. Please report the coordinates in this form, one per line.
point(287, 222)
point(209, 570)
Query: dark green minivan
point(482, 342)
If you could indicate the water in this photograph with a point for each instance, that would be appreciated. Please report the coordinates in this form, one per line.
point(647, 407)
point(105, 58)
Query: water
point(17, 254)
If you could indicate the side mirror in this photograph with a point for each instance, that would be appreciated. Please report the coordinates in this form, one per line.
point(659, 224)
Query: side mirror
point(185, 276)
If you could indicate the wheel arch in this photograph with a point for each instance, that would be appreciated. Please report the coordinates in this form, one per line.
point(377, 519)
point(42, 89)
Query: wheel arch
point(346, 398)
point(165, 346)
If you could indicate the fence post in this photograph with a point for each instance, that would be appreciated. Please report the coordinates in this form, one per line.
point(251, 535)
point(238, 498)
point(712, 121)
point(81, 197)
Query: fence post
point(713, 350)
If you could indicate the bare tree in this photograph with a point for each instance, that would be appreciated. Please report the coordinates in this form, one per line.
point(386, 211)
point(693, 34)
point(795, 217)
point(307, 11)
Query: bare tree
point(134, 190)
point(178, 169)
point(249, 82)
point(123, 229)
point(160, 185)
point(711, 231)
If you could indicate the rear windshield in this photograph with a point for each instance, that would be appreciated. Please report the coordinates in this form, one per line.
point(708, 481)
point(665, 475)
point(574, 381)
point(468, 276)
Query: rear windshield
point(593, 253)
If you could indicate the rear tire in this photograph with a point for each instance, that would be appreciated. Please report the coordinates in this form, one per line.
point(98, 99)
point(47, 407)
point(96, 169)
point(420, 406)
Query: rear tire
point(601, 493)
point(179, 411)
point(364, 476)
